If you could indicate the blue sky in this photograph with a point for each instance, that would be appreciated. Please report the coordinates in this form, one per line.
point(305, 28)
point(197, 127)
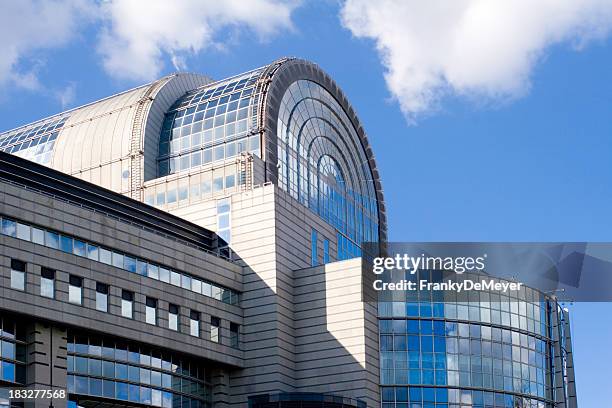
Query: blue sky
point(529, 165)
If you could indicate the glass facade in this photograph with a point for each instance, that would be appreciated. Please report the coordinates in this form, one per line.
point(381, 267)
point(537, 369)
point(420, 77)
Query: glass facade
point(323, 164)
point(491, 350)
point(193, 188)
point(314, 258)
point(111, 368)
point(347, 249)
point(35, 141)
point(321, 159)
point(12, 351)
point(209, 124)
point(224, 211)
point(108, 256)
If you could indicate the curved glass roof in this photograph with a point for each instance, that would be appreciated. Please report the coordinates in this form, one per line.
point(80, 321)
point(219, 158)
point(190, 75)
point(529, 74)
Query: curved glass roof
point(322, 163)
point(209, 124)
point(321, 159)
point(35, 141)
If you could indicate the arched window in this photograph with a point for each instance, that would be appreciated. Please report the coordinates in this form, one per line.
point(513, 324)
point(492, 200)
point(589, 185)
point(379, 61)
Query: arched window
point(322, 161)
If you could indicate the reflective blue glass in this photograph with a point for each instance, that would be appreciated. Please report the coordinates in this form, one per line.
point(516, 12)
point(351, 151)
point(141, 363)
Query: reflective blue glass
point(215, 115)
point(500, 345)
point(314, 259)
point(12, 350)
point(478, 364)
point(149, 376)
point(323, 164)
point(65, 243)
point(117, 259)
point(8, 371)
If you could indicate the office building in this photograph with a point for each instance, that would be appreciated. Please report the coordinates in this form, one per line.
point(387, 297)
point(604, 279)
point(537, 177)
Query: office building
point(193, 243)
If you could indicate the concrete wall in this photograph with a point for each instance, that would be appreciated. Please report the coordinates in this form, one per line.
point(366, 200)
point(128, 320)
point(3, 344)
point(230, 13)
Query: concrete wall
point(284, 309)
point(46, 212)
point(336, 334)
point(267, 324)
point(271, 233)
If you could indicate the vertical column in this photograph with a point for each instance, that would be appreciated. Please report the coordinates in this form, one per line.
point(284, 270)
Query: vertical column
point(569, 361)
point(46, 362)
point(220, 388)
point(556, 358)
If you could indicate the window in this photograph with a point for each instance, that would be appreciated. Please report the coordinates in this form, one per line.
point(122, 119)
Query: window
point(194, 323)
point(164, 275)
point(120, 260)
point(234, 338)
point(13, 351)
point(9, 227)
point(47, 282)
point(151, 311)
point(129, 264)
point(223, 220)
point(313, 248)
point(117, 260)
point(326, 251)
point(352, 212)
point(65, 244)
point(23, 231)
point(92, 252)
point(215, 326)
point(152, 377)
point(150, 199)
point(75, 289)
point(175, 278)
point(127, 304)
point(18, 269)
point(230, 181)
point(153, 271)
point(105, 256)
point(38, 236)
point(186, 282)
point(52, 239)
point(196, 285)
point(173, 317)
point(206, 289)
point(347, 249)
point(101, 297)
point(79, 248)
point(140, 267)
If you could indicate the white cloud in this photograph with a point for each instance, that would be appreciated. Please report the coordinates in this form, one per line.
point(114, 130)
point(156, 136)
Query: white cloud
point(66, 95)
point(476, 48)
point(134, 37)
point(138, 34)
point(27, 26)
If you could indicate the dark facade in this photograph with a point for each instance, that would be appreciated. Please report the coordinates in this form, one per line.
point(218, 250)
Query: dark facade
point(85, 309)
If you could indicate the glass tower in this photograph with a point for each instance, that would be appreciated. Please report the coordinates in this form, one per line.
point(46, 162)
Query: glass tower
point(494, 350)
